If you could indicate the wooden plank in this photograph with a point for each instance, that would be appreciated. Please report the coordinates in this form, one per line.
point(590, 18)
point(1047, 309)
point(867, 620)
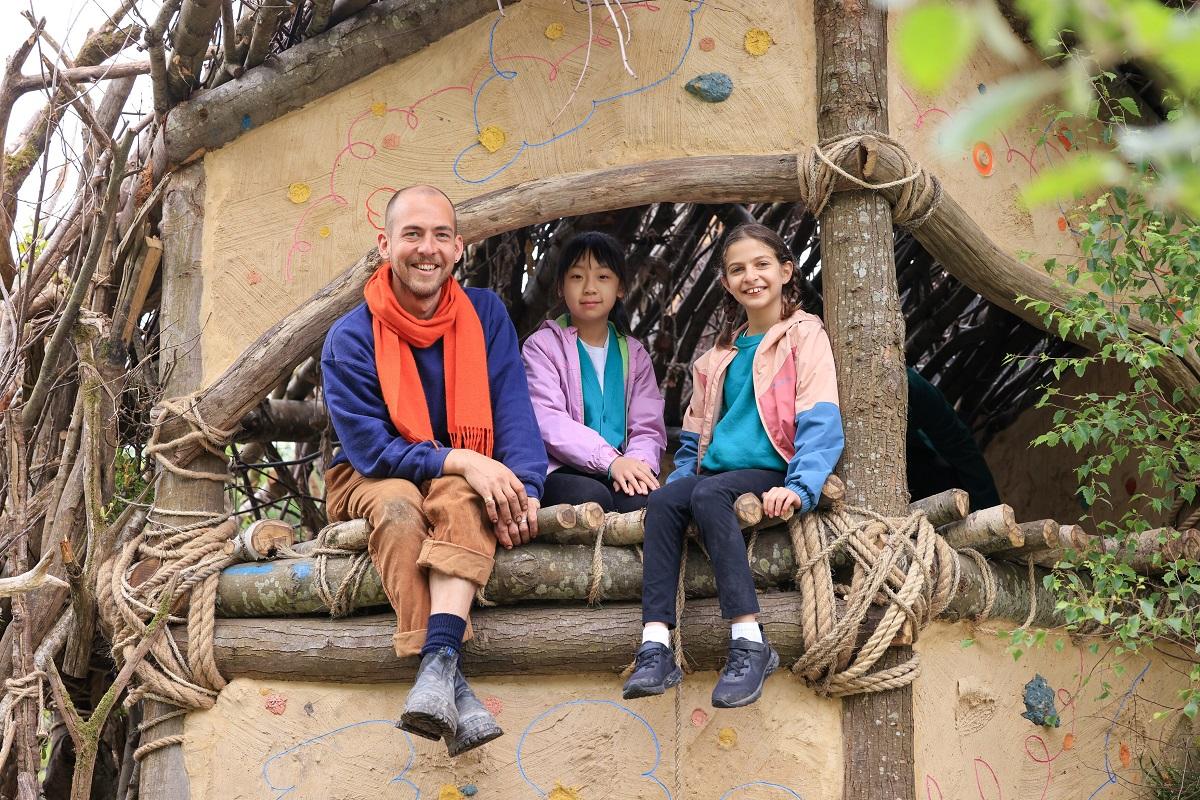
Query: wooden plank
point(147, 270)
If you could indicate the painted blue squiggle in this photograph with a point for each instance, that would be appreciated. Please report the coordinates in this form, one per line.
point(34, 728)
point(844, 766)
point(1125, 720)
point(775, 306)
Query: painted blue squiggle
point(283, 791)
point(790, 792)
point(1112, 776)
point(648, 774)
point(510, 74)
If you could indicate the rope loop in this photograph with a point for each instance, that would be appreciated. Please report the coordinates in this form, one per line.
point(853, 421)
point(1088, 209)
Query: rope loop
point(818, 172)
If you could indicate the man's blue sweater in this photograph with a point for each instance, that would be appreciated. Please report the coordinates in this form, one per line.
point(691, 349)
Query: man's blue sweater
point(369, 441)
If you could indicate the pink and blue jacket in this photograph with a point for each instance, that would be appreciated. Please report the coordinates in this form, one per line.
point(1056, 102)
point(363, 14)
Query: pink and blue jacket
point(551, 355)
point(796, 389)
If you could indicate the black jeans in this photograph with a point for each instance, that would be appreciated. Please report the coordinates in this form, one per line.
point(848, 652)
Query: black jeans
point(707, 499)
point(566, 485)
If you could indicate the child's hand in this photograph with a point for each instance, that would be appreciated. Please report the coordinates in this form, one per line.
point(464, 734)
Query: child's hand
point(779, 500)
point(632, 476)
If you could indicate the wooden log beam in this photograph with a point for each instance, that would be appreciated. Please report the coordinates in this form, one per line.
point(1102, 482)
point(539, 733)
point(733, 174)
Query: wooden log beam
point(193, 29)
point(381, 34)
point(562, 639)
point(944, 507)
point(532, 573)
point(283, 421)
point(1149, 552)
point(966, 251)
point(988, 530)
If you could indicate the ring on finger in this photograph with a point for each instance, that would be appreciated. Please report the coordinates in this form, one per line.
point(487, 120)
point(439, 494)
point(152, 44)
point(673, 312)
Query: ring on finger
point(489, 501)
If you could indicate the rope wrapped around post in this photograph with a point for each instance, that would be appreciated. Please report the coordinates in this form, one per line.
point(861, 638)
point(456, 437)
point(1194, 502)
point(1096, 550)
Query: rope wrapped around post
point(190, 558)
point(818, 172)
point(899, 562)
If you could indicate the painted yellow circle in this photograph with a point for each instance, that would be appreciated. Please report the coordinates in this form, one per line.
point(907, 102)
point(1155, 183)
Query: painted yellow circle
point(379, 109)
point(727, 738)
point(757, 41)
point(299, 193)
point(324, 232)
point(492, 138)
point(560, 792)
point(555, 30)
point(449, 791)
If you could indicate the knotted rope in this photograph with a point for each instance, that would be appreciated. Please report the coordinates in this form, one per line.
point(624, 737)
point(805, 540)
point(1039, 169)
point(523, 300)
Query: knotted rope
point(818, 171)
point(189, 561)
point(340, 600)
point(902, 563)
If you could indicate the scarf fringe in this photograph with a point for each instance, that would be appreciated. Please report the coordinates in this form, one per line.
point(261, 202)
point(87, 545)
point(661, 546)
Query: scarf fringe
point(478, 439)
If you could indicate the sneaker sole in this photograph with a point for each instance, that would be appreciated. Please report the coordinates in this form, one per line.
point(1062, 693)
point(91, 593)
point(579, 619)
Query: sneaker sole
point(772, 665)
point(480, 736)
point(634, 692)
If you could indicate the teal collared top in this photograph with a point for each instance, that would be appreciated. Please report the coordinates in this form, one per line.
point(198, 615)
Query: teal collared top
point(604, 404)
point(739, 440)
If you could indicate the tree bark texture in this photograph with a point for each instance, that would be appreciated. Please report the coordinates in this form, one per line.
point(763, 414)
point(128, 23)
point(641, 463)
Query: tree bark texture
point(866, 328)
point(163, 773)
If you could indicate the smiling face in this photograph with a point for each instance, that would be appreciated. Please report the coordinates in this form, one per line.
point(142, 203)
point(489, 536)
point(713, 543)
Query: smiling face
point(590, 290)
point(755, 277)
point(421, 246)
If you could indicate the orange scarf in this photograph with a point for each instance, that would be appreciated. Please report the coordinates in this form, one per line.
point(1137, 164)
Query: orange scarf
point(468, 398)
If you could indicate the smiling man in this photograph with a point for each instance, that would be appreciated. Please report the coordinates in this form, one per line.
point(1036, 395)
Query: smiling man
point(439, 452)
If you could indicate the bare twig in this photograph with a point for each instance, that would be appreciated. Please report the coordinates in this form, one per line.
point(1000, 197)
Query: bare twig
point(37, 397)
point(103, 72)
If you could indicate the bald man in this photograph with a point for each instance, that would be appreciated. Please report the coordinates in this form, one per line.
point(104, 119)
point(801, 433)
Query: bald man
point(438, 450)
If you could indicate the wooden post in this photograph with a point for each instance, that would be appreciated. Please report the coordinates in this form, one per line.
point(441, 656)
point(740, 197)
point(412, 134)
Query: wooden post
point(866, 328)
point(163, 773)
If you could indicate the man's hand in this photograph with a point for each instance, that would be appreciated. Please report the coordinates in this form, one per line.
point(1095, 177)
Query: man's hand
point(631, 476)
point(503, 494)
point(778, 500)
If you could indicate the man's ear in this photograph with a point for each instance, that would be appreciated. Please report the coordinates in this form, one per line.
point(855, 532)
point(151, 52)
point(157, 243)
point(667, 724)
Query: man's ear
point(381, 244)
point(459, 248)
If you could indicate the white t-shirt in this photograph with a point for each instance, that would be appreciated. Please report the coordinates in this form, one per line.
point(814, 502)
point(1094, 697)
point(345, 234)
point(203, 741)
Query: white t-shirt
point(599, 357)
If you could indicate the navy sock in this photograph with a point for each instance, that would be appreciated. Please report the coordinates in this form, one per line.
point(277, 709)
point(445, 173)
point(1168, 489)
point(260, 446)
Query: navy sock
point(445, 630)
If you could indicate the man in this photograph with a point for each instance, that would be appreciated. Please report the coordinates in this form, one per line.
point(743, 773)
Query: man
point(439, 452)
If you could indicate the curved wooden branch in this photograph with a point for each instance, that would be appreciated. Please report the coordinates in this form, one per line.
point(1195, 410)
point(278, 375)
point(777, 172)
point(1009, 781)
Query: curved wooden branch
point(29, 581)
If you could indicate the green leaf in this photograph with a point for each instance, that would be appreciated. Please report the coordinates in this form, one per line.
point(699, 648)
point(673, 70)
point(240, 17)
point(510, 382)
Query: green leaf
point(985, 113)
point(1130, 106)
point(1075, 177)
point(929, 67)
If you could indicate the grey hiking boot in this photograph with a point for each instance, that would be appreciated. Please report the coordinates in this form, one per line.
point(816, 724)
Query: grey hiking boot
point(746, 669)
point(654, 671)
point(476, 725)
point(429, 710)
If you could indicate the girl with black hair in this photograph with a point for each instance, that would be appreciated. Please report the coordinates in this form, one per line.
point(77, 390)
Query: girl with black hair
point(593, 387)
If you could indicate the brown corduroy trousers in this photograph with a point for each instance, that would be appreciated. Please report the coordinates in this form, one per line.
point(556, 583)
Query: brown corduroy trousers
point(440, 525)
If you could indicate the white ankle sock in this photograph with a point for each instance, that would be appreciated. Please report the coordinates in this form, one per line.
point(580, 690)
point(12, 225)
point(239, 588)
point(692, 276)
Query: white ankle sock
point(656, 633)
point(747, 630)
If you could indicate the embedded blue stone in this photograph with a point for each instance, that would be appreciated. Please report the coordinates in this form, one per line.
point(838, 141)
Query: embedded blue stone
point(1039, 703)
point(711, 87)
point(469, 790)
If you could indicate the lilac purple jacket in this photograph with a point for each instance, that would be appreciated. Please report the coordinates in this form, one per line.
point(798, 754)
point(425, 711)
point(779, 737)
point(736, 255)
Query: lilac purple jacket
point(551, 357)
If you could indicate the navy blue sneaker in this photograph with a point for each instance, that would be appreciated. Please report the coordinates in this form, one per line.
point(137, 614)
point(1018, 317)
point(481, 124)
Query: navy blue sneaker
point(476, 725)
point(430, 710)
point(654, 671)
point(746, 669)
